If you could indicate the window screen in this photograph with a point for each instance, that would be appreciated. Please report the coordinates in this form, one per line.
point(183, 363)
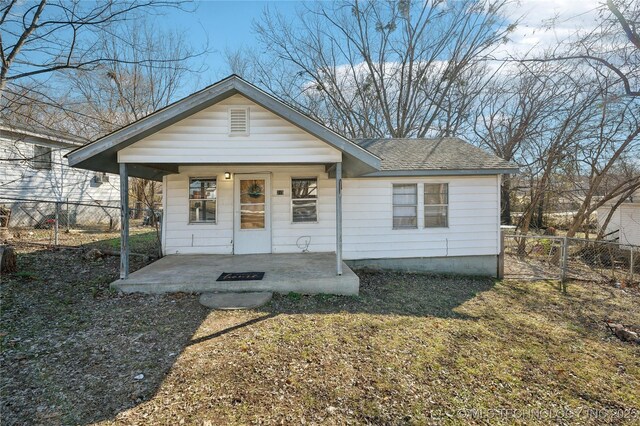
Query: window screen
point(304, 200)
point(202, 200)
point(436, 205)
point(405, 203)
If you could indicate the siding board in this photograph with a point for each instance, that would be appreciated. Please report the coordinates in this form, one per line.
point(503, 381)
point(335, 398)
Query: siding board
point(367, 216)
point(204, 138)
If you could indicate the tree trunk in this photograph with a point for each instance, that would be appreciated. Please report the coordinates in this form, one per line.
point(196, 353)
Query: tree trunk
point(539, 219)
point(8, 259)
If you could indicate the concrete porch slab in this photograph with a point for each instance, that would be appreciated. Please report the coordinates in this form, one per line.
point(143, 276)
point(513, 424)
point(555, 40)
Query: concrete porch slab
point(308, 273)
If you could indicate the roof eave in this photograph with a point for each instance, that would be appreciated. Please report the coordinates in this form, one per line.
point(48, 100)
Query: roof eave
point(443, 172)
point(37, 138)
point(104, 149)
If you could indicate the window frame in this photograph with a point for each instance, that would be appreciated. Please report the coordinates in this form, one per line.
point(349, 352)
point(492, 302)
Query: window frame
point(189, 199)
point(291, 199)
point(393, 205)
point(425, 205)
point(248, 122)
point(37, 164)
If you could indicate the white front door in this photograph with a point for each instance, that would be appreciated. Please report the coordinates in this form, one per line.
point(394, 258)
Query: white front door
point(252, 214)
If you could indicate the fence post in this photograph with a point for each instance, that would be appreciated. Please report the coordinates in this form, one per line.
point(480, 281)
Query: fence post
point(501, 256)
point(633, 249)
point(68, 225)
point(565, 258)
point(56, 226)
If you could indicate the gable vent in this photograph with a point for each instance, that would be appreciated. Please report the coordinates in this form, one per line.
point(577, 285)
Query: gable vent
point(239, 121)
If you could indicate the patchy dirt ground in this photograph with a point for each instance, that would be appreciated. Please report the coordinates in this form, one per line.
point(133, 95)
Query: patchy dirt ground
point(411, 349)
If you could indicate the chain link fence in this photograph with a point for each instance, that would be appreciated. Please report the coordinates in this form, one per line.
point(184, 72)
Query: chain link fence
point(67, 223)
point(563, 258)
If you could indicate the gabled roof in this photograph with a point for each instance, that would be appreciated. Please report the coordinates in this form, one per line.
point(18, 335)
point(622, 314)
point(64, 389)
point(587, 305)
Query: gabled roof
point(39, 135)
point(439, 156)
point(101, 154)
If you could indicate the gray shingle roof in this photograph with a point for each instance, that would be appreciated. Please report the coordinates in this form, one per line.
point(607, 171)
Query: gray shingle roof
point(432, 154)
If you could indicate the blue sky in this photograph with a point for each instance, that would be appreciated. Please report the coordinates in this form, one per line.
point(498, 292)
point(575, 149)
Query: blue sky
point(226, 25)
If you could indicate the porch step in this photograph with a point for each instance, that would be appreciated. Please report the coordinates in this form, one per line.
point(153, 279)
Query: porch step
point(247, 300)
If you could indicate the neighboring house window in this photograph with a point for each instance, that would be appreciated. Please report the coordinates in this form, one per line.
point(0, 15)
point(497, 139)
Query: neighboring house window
point(304, 200)
point(239, 121)
point(436, 205)
point(405, 206)
point(202, 200)
point(41, 158)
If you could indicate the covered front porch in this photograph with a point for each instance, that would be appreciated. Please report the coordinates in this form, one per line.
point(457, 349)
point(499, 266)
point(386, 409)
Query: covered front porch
point(308, 273)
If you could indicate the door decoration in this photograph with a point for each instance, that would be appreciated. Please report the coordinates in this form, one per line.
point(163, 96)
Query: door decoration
point(255, 190)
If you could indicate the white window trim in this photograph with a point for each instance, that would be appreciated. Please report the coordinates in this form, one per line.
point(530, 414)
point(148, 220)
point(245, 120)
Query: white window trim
point(245, 133)
point(425, 205)
point(417, 205)
point(189, 199)
point(317, 199)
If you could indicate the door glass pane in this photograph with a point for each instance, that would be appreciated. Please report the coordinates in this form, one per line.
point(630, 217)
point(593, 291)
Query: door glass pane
point(252, 216)
point(252, 191)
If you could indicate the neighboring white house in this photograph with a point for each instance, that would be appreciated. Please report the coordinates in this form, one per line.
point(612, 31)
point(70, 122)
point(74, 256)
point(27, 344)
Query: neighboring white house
point(34, 174)
point(624, 224)
point(244, 173)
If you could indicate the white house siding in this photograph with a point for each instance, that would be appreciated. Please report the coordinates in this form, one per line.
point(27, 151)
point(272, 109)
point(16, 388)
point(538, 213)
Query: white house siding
point(182, 237)
point(630, 219)
point(614, 222)
point(367, 216)
point(204, 138)
point(61, 183)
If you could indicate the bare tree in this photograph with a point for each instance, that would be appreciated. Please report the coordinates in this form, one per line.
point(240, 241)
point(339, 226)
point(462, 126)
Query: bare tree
point(614, 45)
point(39, 41)
point(91, 67)
point(512, 111)
point(47, 36)
point(130, 87)
point(387, 68)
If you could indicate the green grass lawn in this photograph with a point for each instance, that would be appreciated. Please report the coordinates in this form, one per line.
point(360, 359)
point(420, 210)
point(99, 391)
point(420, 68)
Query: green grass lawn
point(141, 240)
point(411, 349)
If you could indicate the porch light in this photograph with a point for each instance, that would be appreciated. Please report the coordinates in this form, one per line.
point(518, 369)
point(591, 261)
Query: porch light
point(227, 175)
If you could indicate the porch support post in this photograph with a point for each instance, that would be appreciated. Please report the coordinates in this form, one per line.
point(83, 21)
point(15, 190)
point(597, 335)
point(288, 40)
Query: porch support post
point(124, 221)
point(339, 218)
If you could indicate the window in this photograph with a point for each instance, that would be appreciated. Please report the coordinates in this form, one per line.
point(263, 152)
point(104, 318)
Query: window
point(41, 158)
point(202, 200)
point(405, 206)
point(436, 205)
point(304, 200)
point(238, 121)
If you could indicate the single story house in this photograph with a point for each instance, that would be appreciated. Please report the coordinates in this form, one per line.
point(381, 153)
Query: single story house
point(624, 225)
point(34, 176)
point(244, 174)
